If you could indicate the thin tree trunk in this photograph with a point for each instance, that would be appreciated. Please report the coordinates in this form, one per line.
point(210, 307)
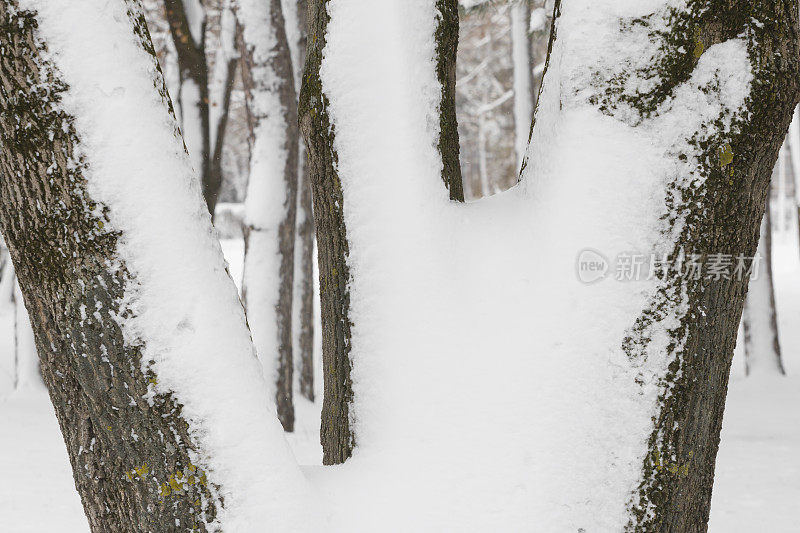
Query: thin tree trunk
point(271, 204)
point(224, 78)
point(336, 435)
point(304, 254)
point(127, 292)
point(187, 24)
point(446, 52)
point(523, 76)
point(761, 342)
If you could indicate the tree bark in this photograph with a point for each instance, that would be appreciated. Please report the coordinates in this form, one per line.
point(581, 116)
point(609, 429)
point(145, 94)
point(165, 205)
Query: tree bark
point(761, 342)
point(271, 204)
point(64, 261)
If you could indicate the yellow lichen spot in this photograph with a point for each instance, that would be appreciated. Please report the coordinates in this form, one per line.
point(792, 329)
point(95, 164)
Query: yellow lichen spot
point(197, 503)
point(191, 468)
point(699, 48)
point(100, 224)
point(725, 155)
point(165, 490)
point(108, 428)
point(143, 470)
point(190, 480)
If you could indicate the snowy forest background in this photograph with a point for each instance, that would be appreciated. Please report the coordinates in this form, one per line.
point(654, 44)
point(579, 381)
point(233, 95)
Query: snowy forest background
point(758, 471)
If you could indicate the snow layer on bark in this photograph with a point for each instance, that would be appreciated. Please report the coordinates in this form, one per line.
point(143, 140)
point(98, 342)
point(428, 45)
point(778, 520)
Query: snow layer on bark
point(186, 311)
point(491, 389)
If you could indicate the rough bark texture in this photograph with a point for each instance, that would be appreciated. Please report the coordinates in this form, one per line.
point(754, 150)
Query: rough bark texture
point(722, 214)
point(332, 249)
point(277, 67)
point(192, 65)
point(66, 259)
point(305, 238)
point(446, 52)
point(762, 345)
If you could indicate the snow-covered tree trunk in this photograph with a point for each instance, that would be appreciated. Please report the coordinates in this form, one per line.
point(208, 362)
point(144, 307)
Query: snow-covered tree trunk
point(271, 203)
point(143, 342)
point(666, 120)
point(761, 342)
point(332, 247)
point(295, 12)
point(523, 76)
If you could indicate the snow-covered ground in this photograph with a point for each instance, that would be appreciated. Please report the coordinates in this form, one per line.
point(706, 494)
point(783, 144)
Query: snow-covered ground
point(758, 470)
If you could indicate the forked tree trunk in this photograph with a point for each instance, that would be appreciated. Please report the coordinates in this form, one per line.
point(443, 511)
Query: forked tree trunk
point(271, 203)
point(141, 335)
point(716, 169)
point(762, 346)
